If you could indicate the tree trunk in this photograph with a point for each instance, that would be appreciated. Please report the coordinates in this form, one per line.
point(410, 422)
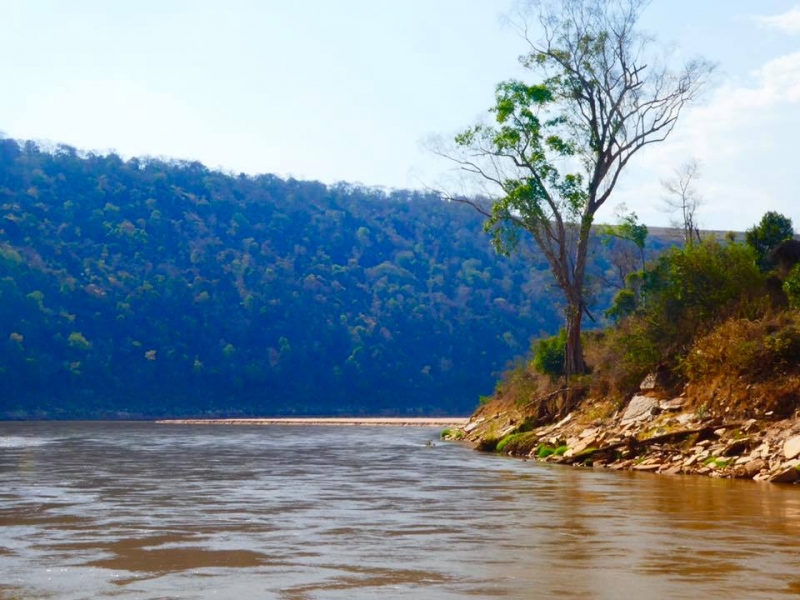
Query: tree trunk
point(573, 360)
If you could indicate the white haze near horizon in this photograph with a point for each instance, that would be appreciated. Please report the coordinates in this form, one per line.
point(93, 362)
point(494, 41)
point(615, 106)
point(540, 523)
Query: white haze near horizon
point(348, 90)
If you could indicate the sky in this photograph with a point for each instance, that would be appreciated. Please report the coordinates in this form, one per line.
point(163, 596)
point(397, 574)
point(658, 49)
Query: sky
point(349, 90)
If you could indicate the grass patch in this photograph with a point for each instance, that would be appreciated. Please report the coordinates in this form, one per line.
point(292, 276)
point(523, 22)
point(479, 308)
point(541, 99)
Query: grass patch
point(717, 462)
point(518, 443)
point(545, 450)
point(452, 434)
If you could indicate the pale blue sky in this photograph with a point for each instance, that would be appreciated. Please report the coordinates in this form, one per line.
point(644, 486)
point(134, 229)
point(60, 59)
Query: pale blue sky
point(348, 89)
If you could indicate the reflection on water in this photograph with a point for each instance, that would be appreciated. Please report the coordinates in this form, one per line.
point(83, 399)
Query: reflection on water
point(152, 511)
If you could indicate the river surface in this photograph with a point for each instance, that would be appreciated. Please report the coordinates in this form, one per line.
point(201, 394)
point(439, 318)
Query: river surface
point(146, 511)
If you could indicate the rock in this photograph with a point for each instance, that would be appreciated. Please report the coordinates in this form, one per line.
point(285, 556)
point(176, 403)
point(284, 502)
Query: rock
point(471, 426)
point(684, 419)
point(647, 467)
point(748, 425)
point(639, 409)
point(580, 446)
point(671, 405)
point(564, 421)
point(738, 447)
point(590, 432)
point(791, 448)
point(719, 432)
point(754, 467)
point(649, 383)
point(673, 470)
point(785, 474)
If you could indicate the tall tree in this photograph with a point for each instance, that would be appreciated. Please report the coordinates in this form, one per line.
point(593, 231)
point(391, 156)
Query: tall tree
point(630, 230)
point(558, 145)
point(773, 229)
point(682, 198)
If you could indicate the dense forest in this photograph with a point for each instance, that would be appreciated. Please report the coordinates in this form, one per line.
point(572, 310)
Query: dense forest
point(141, 288)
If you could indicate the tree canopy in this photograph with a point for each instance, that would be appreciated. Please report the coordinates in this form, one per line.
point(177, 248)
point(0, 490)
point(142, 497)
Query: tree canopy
point(149, 288)
point(764, 237)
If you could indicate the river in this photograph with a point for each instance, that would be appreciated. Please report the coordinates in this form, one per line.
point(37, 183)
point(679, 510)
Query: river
point(147, 511)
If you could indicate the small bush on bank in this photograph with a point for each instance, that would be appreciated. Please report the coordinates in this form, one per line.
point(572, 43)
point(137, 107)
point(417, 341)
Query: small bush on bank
point(549, 355)
point(791, 286)
point(741, 347)
point(687, 292)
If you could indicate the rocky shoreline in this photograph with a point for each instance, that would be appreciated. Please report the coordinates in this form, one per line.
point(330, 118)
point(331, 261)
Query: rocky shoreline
point(650, 434)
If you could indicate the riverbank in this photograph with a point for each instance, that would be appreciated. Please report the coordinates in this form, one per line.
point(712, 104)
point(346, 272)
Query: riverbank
point(650, 434)
point(330, 421)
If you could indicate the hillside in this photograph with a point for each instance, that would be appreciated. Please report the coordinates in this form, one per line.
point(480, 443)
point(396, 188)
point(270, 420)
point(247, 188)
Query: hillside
point(161, 288)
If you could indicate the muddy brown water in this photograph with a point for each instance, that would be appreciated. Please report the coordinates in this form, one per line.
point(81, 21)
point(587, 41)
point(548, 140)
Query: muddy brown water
point(147, 511)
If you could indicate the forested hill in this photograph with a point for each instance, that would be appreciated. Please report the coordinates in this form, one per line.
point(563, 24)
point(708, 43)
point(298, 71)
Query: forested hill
point(145, 288)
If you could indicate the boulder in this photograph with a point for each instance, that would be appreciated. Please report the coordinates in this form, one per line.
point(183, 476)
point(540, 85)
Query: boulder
point(754, 467)
point(737, 447)
point(580, 446)
point(640, 408)
point(647, 467)
point(785, 474)
point(791, 448)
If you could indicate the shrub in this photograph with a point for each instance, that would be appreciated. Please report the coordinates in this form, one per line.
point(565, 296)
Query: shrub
point(549, 355)
point(702, 282)
point(623, 304)
point(791, 286)
point(773, 229)
point(743, 347)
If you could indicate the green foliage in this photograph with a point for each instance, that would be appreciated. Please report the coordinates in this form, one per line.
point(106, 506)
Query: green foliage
point(501, 445)
point(688, 291)
point(202, 293)
point(543, 451)
point(623, 304)
point(791, 286)
point(773, 229)
point(549, 354)
point(701, 283)
point(78, 341)
point(627, 228)
point(518, 443)
point(452, 434)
